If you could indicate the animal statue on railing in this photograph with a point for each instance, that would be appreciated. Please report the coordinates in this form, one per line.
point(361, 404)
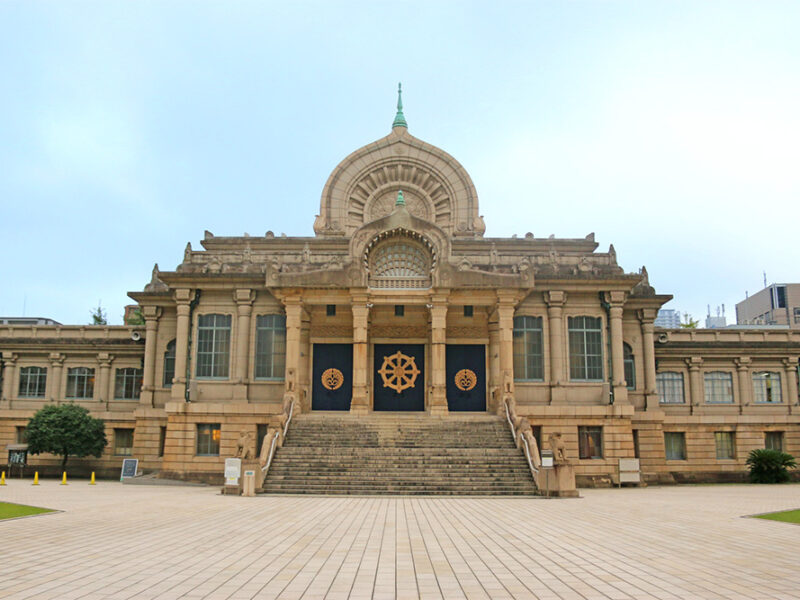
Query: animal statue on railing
point(525, 431)
point(244, 445)
point(559, 448)
point(266, 445)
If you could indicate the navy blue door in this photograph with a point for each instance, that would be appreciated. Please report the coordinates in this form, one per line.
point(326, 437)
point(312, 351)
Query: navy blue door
point(399, 377)
point(332, 377)
point(466, 377)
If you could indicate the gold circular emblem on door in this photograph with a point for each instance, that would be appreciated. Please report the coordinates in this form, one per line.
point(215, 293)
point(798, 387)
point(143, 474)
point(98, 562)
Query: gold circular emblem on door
point(332, 379)
point(466, 380)
point(399, 372)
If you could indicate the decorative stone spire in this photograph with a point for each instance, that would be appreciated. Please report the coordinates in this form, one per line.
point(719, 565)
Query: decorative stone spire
point(400, 200)
point(399, 118)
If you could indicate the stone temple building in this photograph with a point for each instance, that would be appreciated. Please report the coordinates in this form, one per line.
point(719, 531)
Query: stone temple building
point(401, 304)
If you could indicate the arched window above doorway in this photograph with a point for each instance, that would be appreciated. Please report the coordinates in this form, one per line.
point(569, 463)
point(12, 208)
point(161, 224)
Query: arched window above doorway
point(399, 260)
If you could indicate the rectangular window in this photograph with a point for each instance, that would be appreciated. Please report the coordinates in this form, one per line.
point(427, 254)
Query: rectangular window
point(670, 387)
point(330, 310)
point(22, 437)
point(585, 348)
point(128, 384)
point(675, 445)
point(399, 310)
point(796, 316)
point(32, 382)
point(468, 310)
point(726, 445)
point(80, 383)
point(208, 435)
point(718, 387)
point(270, 347)
point(767, 387)
point(213, 346)
point(636, 443)
point(162, 440)
point(590, 442)
point(528, 349)
point(773, 440)
point(123, 442)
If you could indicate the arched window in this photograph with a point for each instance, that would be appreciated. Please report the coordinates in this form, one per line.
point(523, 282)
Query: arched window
point(169, 364)
point(400, 261)
point(630, 366)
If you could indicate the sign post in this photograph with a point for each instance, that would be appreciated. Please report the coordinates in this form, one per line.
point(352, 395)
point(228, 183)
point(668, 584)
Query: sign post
point(233, 472)
point(547, 465)
point(129, 468)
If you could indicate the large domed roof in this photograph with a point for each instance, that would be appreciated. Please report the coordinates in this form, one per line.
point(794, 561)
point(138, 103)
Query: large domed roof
point(363, 187)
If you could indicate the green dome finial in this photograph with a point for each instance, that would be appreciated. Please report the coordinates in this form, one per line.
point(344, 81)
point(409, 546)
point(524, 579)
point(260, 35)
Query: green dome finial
point(400, 200)
point(399, 118)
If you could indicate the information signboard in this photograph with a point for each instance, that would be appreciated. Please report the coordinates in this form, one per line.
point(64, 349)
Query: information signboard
point(233, 470)
point(129, 468)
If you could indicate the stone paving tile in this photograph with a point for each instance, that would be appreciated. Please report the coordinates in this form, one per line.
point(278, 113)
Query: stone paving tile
point(129, 542)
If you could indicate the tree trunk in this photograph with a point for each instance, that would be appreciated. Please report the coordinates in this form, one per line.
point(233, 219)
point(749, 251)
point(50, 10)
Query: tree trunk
point(64, 462)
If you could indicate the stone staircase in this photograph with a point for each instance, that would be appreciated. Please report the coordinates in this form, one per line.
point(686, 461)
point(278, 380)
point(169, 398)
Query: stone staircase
point(397, 453)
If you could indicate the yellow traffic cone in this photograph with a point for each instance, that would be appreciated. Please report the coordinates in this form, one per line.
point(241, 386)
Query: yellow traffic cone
point(92, 481)
point(64, 479)
point(36, 478)
point(3, 478)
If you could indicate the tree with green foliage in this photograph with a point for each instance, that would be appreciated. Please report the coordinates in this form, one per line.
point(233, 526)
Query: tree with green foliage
point(689, 322)
point(99, 316)
point(66, 430)
point(769, 466)
point(135, 318)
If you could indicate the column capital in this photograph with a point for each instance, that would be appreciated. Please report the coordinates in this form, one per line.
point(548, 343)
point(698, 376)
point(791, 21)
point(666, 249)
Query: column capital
point(694, 363)
point(182, 296)
point(151, 313)
point(615, 298)
point(244, 296)
point(10, 358)
point(790, 362)
point(647, 316)
point(104, 359)
point(56, 359)
point(555, 298)
point(742, 363)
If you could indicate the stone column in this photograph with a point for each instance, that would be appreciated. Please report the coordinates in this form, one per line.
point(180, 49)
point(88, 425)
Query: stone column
point(102, 389)
point(495, 380)
point(55, 376)
point(646, 317)
point(790, 396)
point(294, 315)
point(151, 315)
point(244, 299)
point(9, 364)
point(555, 307)
point(506, 304)
point(183, 298)
point(695, 383)
point(360, 402)
point(438, 399)
point(745, 386)
point(616, 301)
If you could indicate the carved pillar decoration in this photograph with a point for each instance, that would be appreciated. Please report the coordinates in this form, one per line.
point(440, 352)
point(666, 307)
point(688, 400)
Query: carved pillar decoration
point(616, 301)
point(183, 298)
point(303, 376)
point(745, 387)
point(790, 393)
point(438, 399)
point(695, 383)
point(55, 376)
point(294, 315)
point(151, 315)
point(244, 299)
point(495, 381)
point(506, 305)
point(360, 402)
point(102, 389)
point(9, 364)
point(646, 317)
point(555, 307)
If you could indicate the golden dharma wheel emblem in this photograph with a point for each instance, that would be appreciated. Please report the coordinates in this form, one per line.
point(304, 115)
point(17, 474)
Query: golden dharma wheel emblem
point(332, 379)
point(466, 380)
point(399, 372)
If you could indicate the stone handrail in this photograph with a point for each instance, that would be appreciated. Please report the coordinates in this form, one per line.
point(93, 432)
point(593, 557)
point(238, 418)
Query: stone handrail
point(288, 419)
point(277, 434)
point(526, 448)
point(275, 437)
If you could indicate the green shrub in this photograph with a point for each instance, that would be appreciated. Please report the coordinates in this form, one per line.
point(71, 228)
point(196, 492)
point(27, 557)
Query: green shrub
point(770, 466)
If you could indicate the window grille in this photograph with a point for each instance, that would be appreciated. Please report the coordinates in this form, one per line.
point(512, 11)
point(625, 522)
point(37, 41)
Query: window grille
point(270, 347)
point(629, 367)
point(208, 436)
point(670, 387)
point(128, 384)
point(718, 387)
point(585, 348)
point(32, 382)
point(767, 387)
point(213, 346)
point(528, 349)
point(80, 383)
point(590, 442)
point(726, 445)
point(675, 445)
point(169, 364)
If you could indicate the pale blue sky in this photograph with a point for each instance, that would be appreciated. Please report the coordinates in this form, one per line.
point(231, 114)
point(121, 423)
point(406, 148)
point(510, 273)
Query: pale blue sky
point(670, 129)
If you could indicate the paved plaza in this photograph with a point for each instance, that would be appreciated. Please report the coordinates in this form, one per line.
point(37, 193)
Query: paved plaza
point(115, 541)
